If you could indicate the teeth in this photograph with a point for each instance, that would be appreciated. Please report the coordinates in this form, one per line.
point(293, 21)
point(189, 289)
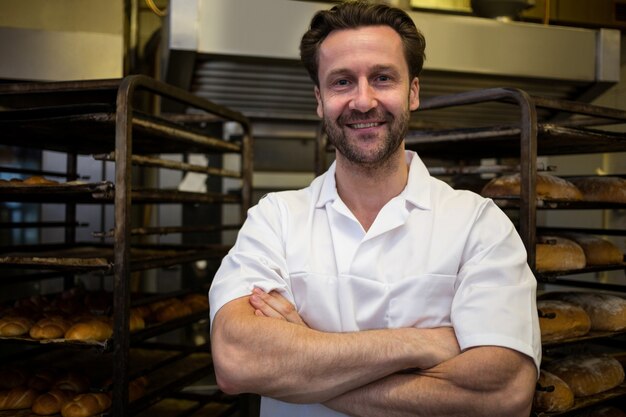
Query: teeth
point(364, 125)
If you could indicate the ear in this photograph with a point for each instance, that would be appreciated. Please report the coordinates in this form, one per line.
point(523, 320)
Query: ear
point(414, 94)
point(320, 107)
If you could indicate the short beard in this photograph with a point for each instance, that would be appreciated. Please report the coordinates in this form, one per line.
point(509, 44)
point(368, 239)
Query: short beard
point(398, 128)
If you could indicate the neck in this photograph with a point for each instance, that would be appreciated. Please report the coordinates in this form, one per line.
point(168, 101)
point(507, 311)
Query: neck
point(365, 190)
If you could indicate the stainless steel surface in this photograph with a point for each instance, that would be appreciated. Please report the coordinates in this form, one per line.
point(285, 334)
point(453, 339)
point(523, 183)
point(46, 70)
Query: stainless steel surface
point(46, 55)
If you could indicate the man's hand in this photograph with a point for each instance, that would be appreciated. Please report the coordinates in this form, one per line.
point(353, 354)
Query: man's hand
point(275, 306)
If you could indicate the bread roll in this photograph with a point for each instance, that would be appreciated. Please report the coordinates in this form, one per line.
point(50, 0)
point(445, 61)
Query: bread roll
point(72, 381)
point(15, 326)
point(17, 398)
point(142, 311)
point(561, 320)
point(555, 253)
point(53, 327)
point(85, 405)
point(597, 251)
point(172, 311)
point(607, 312)
point(197, 302)
point(552, 394)
point(601, 189)
point(587, 375)
point(94, 329)
point(548, 187)
point(51, 402)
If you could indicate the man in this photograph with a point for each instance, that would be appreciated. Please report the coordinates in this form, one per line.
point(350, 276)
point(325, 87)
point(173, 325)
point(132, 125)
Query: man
point(377, 290)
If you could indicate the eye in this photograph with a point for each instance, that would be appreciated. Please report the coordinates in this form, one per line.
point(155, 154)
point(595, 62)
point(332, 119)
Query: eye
point(383, 78)
point(342, 83)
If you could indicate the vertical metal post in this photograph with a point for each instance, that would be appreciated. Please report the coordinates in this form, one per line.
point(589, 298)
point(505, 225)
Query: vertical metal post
point(121, 291)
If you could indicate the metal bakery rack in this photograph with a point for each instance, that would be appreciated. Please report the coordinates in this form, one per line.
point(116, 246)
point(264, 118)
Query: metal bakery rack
point(119, 121)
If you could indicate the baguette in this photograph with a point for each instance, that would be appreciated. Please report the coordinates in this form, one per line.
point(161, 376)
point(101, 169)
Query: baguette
point(17, 398)
point(85, 405)
point(51, 402)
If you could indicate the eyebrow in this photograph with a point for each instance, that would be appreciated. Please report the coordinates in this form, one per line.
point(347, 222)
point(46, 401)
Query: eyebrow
point(374, 69)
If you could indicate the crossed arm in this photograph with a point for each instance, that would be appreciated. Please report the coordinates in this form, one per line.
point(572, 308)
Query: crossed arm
point(260, 344)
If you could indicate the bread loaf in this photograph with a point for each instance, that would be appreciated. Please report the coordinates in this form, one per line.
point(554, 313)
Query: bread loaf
point(171, 311)
point(136, 321)
point(72, 381)
point(90, 330)
point(548, 187)
point(597, 251)
point(552, 394)
point(561, 320)
point(555, 253)
point(53, 327)
point(51, 402)
point(38, 180)
point(17, 398)
point(601, 189)
point(607, 312)
point(15, 326)
point(587, 375)
point(85, 405)
point(197, 302)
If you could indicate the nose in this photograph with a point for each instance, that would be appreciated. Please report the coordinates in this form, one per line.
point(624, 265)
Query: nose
point(364, 99)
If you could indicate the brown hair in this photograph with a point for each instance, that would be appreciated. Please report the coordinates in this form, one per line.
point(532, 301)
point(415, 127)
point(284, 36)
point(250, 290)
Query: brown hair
point(354, 14)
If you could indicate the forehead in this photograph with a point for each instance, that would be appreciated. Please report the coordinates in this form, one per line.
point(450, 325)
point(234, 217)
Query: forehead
point(368, 45)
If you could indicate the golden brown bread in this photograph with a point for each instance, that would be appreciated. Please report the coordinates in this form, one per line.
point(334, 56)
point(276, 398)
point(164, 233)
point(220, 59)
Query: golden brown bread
point(197, 302)
point(561, 320)
point(552, 394)
point(606, 311)
point(587, 375)
point(85, 405)
point(136, 321)
point(601, 189)
point(17, 398)
point(597, 251)
point(93, 329)
point(171, 311)
point(548, 187)
point(51, 402)
point(15, 326)
point(554, 253)
point(53, 327)
point(38, 180)
point(74, 382)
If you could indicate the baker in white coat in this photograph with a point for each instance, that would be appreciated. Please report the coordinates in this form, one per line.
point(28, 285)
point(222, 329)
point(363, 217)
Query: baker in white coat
point(377, 290)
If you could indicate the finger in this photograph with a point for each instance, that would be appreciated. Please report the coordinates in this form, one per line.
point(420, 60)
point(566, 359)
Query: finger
point(258, 302)
point(284, 307)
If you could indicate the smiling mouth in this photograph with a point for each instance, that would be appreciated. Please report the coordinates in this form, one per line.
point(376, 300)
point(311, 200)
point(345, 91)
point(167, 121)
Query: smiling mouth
point(364, 125)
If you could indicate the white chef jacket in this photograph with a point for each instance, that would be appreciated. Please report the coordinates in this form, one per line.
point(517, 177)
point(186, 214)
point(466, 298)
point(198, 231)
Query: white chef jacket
point(433, 257)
